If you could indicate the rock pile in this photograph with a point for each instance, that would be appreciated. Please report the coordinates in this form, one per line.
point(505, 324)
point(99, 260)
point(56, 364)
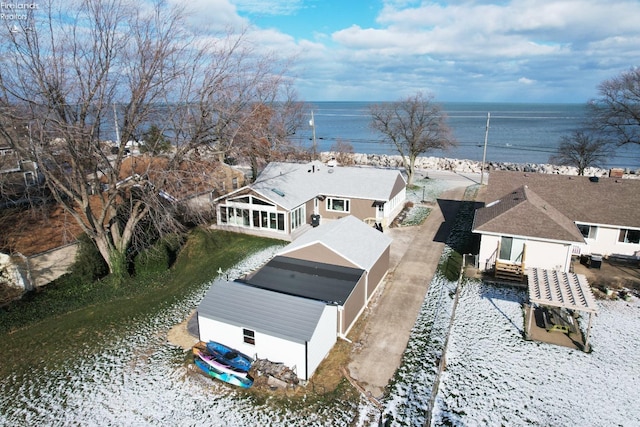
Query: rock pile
point(472, 166)
point(283, 375)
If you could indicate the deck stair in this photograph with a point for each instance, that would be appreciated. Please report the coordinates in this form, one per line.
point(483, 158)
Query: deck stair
point(508, 271)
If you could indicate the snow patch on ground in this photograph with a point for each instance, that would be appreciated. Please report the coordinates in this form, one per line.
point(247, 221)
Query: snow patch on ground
point(139, 379)
point(495, 377)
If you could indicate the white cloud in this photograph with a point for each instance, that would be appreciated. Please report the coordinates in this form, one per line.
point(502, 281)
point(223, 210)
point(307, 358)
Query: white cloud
point(211, 15)
point(457, 49)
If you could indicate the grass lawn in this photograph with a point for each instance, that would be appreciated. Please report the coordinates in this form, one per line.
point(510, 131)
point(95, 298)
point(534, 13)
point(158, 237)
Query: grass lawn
point(64, 318)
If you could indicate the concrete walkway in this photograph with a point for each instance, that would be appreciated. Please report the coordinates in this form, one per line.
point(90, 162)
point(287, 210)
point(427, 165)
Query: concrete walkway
point(415, 253)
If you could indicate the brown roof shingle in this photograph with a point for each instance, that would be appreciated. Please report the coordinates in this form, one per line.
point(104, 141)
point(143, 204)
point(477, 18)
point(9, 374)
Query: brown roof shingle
point(523, 213)
point(609, 201)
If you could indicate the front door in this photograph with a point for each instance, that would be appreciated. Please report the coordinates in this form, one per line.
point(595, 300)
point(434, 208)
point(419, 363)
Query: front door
point(511, 249)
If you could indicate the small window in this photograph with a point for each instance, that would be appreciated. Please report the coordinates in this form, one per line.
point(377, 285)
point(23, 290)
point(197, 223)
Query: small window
point(29, 179)
point(234, 183)
point(249, 336)
point(588, 231)
point(629, 236)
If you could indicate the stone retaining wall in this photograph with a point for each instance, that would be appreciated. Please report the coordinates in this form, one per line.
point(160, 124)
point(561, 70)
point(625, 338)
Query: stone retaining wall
point(472, 166)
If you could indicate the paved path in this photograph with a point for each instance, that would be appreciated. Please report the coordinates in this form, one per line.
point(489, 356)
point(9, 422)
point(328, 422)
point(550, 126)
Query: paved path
point(415, 255)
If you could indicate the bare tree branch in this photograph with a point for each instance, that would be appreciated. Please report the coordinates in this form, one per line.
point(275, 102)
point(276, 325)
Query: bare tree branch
point(413, 126)
point(616, 113)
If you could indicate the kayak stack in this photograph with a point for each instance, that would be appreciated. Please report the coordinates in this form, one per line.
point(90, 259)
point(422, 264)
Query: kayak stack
point(223, 363)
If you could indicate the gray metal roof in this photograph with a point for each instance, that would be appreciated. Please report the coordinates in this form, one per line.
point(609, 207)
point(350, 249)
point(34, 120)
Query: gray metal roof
point(291, 184)
point(307, 279)
point(272, 313)
point(349, 237)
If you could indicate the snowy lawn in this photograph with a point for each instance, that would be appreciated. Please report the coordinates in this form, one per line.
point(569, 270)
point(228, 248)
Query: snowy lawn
point(494, 377)
point(139, 379)
point(410, 389)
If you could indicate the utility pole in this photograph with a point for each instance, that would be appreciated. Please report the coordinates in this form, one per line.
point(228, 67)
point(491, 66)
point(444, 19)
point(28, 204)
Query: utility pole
point(484, 152)
point(115, 119)
point(312, 123)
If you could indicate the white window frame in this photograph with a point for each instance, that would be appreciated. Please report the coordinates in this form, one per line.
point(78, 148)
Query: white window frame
point(626, 236)
point(591, 234)
point(249, 336)
point(298, 216)
point(331, 200)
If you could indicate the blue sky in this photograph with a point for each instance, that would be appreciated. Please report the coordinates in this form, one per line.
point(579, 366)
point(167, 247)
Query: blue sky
point(476, 50)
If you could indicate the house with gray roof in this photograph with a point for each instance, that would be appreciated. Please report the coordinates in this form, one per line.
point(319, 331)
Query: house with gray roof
point(540, 220)
point(280, 312)
point(298, 332)
point(288, 199)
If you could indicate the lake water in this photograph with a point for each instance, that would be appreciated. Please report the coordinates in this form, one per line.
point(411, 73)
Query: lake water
point(518, 133)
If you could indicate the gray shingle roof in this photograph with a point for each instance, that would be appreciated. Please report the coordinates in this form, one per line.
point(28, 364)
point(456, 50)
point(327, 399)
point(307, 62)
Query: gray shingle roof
point(291, 184)
point(609, 201)
point(349, 237)
point(307, 279)
point(272, 313)
point(523, 213)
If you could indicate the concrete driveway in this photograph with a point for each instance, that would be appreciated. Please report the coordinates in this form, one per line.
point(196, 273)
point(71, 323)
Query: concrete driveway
point(415, 253)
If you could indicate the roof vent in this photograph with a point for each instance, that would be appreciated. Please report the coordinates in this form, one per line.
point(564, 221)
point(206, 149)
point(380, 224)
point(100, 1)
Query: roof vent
point(594, 179)
point(278, 192)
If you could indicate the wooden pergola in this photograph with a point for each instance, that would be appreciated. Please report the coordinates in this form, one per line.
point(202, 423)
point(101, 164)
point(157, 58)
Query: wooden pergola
point(562, 290)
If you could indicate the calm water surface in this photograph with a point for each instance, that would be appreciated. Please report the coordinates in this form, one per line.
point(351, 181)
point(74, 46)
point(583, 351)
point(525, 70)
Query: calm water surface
point(519, 133)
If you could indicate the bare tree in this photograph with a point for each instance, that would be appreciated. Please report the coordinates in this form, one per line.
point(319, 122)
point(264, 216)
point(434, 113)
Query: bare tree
point(413, 125)
point(83, 65)
point(582, 150)
point(343, 151)
point(616, 113)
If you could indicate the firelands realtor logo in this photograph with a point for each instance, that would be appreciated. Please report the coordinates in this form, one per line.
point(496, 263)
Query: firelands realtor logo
point(16, 11)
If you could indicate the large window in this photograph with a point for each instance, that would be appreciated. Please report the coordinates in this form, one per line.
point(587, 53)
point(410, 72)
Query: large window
point(629, 236)
point(337, 205)
point(249, 336)
point(588, 231)
point(298, 217)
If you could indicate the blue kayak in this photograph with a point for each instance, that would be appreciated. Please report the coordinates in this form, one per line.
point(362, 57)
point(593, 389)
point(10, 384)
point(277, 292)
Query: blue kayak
point(229, 356)
point(244, 382)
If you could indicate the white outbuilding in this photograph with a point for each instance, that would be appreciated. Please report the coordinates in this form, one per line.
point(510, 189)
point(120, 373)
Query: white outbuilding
point(298, 332)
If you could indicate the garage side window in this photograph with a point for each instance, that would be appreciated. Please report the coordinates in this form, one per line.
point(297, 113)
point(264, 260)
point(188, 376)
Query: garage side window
point(249, 336)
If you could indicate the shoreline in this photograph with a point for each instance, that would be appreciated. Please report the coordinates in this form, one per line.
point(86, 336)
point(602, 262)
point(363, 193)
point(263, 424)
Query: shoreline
point(472, 166)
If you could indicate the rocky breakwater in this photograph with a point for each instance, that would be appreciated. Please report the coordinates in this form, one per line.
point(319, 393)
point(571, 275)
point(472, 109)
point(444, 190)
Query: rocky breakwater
point(473, 166)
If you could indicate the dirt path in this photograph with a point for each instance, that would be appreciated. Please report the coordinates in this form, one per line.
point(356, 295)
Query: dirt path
point(416, 252)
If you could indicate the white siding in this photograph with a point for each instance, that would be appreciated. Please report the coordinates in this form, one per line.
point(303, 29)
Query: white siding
point(540, 254)
point(606, 243)
point(548, 255)
point(291, 354)
point(324, 337)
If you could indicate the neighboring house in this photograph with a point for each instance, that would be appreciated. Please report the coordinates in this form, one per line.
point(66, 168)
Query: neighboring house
point(194, 182)
point(20, 179)
point(306, 297)
point(541, 221)
point(288, 199)
point(297, 332)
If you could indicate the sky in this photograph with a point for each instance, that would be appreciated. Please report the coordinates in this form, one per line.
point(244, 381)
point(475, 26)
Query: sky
point(460, 50)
